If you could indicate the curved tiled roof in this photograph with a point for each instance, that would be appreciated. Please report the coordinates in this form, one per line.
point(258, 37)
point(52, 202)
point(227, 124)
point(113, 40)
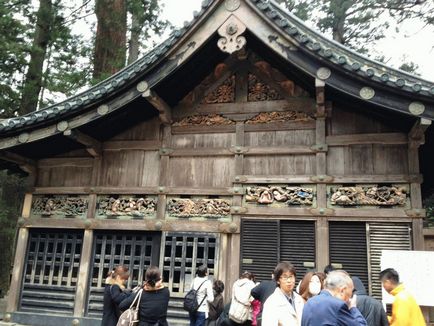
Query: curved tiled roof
point(315, 43)
point(97, 92)
point(340, 55)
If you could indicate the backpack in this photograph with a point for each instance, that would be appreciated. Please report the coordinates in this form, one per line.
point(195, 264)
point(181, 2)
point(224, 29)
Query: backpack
point(130, 317)
point(190, 300)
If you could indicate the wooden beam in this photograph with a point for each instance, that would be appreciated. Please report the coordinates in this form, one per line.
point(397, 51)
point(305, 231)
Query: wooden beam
point(25, 164)
point(416, 135)
point(161, 105)
point(93, 146)
point(360, 139)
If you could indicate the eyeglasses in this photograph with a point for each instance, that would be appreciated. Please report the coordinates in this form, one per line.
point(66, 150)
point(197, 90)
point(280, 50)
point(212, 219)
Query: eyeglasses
point(287, 277)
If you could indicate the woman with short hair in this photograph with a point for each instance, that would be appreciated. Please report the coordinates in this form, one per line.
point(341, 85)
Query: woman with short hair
point(311, 285)
point(154, 300)
point(114, 294)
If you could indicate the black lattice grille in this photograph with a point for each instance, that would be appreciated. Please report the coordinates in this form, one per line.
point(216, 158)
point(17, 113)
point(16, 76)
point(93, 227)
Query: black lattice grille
point(183, 253)
point(136, 250)
point(266, 242)
point(348, 248)
point(51, 271)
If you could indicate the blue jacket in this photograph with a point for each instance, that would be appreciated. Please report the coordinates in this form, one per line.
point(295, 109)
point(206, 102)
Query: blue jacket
point(326, 310)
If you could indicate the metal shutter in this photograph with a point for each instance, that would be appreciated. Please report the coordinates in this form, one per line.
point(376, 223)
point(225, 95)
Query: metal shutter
point(348, 248)
point(385, 236)
point(259, 247)
point(297, 244)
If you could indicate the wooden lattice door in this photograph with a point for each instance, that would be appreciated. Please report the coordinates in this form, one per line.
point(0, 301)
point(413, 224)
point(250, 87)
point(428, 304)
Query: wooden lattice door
point(135, 250)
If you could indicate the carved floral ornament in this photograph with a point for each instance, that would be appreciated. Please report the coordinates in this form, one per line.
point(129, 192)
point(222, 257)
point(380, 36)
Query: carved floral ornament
point(62, 206)
point(186, 207)
point(267, 195)
point(231, 39)
point(266, 117)
point(369, 195)
point(204, 120)
point(259, 91)
point(127, 206)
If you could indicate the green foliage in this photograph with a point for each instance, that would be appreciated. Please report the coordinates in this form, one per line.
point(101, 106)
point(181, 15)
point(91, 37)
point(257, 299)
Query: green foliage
point(428, 203)
point(359, 23)
point(12, 189)
point(13, 51)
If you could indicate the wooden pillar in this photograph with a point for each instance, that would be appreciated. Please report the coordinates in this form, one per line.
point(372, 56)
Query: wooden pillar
point(18, 270)
point(416, 138)
point(322, 237)
point(83, 274)
point(166, 140)
point(19, 260)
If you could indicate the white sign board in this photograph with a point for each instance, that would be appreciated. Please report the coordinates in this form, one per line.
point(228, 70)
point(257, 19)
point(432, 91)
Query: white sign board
point(416, 271)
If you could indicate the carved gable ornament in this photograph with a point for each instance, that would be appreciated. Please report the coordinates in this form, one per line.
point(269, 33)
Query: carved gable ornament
point(231, 39)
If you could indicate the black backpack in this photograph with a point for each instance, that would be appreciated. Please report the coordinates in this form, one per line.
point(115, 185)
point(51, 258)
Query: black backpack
point(190, 300)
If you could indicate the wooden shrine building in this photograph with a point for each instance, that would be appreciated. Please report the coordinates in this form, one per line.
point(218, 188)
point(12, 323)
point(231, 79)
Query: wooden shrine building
point(244, 139)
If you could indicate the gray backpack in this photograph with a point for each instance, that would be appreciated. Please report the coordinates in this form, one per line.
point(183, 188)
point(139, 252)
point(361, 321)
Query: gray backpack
point(130, 317)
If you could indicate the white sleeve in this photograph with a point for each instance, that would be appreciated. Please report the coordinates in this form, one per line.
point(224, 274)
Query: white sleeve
point(209, 291)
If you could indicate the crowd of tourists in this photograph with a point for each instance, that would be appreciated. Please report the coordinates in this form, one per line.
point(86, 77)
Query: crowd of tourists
point(331, 297)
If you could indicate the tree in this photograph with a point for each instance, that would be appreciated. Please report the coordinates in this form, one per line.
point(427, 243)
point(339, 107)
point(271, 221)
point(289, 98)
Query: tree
point(145, 21)
point(33, 79)
point(110, 41)
point(13, 51)
point(355, 23)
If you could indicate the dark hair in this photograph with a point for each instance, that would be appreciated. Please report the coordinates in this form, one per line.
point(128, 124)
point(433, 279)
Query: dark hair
point(152, 276)
point(202, 270)
point(282, 267)
point(121, 271)
point(218, 286)
point(248, 275)
point(390, 274)
point(328, 269)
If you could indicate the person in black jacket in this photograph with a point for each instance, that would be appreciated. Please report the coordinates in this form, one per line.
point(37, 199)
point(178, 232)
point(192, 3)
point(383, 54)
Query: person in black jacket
point(261, 292)
point(114, 294)
point(153, 302)
point(369, 307)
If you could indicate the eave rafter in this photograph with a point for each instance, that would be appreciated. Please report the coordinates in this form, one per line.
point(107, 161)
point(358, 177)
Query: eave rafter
point(25, 164)
point(93, 146)
point(416, 136)
point(165, 111)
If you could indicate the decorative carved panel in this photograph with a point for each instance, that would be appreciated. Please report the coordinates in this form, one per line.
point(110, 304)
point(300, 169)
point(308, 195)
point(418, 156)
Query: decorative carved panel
point(259, 91)
point(266, 117)
point(204, 120)
point(133, 206)
point(267, 195)
point(185, 207)
point(59, 206)
point(225, 93)
point(369, 195)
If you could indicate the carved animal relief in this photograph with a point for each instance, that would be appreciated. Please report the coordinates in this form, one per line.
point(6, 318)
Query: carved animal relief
point(204, 120)
point(127, 206)
point(274, 194)
point(374, 195)
point(185, 207)
point(59, 206)
point(266, 117)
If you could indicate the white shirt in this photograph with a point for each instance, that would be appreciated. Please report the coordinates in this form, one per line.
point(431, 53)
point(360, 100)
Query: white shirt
point(205, 289)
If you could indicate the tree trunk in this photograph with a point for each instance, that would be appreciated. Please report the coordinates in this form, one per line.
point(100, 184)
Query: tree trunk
point(111, 34)
point(33, 80)
point(133, 50)
point(339, 8)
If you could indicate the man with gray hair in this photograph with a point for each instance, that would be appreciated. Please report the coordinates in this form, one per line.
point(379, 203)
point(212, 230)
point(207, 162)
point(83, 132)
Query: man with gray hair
point(335, 305)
